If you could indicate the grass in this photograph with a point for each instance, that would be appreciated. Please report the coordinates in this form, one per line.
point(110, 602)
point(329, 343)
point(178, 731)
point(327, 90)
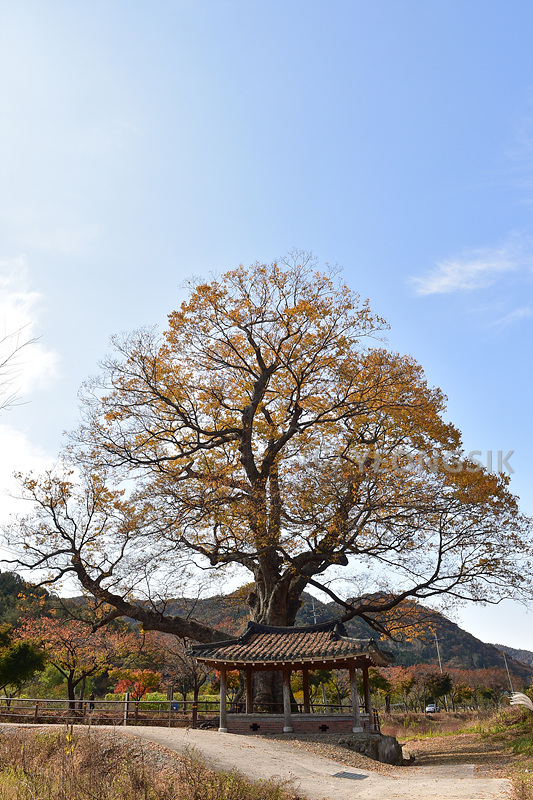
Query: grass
point(85, 766)
point(411, 725)
point(514, 727)
point(511, 728)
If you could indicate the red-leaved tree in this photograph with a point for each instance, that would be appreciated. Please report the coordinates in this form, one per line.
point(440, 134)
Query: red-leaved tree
point(135, 681)
point(73, 648)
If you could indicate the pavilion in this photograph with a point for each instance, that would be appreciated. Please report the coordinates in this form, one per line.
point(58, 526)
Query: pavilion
point(322, 646)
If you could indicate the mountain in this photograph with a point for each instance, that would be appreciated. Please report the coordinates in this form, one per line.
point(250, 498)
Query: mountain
point(19, 598)
point(525, 656)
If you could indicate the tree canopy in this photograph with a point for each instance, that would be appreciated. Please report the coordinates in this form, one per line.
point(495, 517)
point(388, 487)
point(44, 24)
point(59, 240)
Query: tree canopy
point(73, 648)
point(20, 660)
point(270, 430)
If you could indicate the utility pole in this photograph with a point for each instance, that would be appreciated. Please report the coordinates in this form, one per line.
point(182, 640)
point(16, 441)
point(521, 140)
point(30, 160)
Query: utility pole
point(440, 665)
point(438, 651)
point(508, 673)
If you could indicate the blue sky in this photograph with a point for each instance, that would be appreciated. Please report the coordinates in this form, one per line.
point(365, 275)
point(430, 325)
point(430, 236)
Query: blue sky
point(147, 141)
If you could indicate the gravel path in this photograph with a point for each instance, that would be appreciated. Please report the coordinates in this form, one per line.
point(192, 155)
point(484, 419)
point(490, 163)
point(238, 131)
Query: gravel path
point(325, 778)
point(490, 757)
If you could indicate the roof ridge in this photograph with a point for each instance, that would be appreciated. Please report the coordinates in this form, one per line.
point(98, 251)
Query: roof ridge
point(328, 625)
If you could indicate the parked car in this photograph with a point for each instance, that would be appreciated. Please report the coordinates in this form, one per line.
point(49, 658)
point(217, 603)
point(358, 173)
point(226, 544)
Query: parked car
point(432, 708)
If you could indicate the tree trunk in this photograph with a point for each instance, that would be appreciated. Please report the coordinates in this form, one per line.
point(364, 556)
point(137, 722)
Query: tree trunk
point(71, 687)
point(276, 604)
point(275, 601)
point(81, 693)
point(268, 692)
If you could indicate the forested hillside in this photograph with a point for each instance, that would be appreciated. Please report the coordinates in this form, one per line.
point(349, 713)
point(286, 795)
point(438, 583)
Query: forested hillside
point(525, 656)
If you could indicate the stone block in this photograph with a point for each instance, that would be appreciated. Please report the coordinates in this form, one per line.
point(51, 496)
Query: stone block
point(374, 745)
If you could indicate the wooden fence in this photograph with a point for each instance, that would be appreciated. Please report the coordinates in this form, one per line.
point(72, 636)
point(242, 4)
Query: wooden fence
point(169, 713)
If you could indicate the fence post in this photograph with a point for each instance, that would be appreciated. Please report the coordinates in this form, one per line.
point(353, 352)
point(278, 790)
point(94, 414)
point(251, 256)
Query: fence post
point(136, 713)
point(375, 720)
point(194, 713)
point(126, 707)
point(36, 712)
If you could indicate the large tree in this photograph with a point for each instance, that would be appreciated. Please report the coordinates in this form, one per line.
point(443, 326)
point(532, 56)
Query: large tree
point(269, 429)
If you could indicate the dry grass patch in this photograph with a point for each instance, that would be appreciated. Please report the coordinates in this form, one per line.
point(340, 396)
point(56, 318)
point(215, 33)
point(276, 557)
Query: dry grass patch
point(86, 765)
point(498, 744)
point(446, 723)
point(514, 728)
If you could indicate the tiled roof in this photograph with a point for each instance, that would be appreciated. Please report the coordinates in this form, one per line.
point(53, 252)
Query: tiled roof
point(262, 644)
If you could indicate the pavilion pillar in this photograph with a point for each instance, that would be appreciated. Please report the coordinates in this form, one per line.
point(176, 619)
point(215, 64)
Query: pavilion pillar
point(368, 699)
point(249, 696)
point(223, 725)
point(356, 726)
point(307, 697)
point(287, 719)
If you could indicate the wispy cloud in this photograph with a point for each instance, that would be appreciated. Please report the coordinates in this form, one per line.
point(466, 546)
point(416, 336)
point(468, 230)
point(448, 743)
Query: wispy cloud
point(476, 270)
point(18, 454)
point(513, 316)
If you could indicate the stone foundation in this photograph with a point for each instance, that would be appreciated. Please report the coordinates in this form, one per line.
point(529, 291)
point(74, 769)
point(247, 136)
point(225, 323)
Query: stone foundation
point(301, 723)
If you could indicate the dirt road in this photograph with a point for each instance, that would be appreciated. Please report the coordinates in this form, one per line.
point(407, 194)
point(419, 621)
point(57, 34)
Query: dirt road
point(320, 778)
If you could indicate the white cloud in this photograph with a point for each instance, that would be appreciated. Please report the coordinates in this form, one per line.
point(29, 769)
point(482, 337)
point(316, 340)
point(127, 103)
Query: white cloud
point(477, 270)
point(24, 364)
point(31, 365)
point(17, 455)
point(513, 316)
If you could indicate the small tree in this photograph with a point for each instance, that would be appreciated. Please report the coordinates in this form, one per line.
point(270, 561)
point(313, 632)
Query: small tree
point(135, 681)
point(182, 670)
point(20, 660)
point(340, 684)
point(423, 674)
point(73, 649)
point(439, 685)
point(379, 684)
point(232, 683)
point(402, 681)
point(460, 693)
